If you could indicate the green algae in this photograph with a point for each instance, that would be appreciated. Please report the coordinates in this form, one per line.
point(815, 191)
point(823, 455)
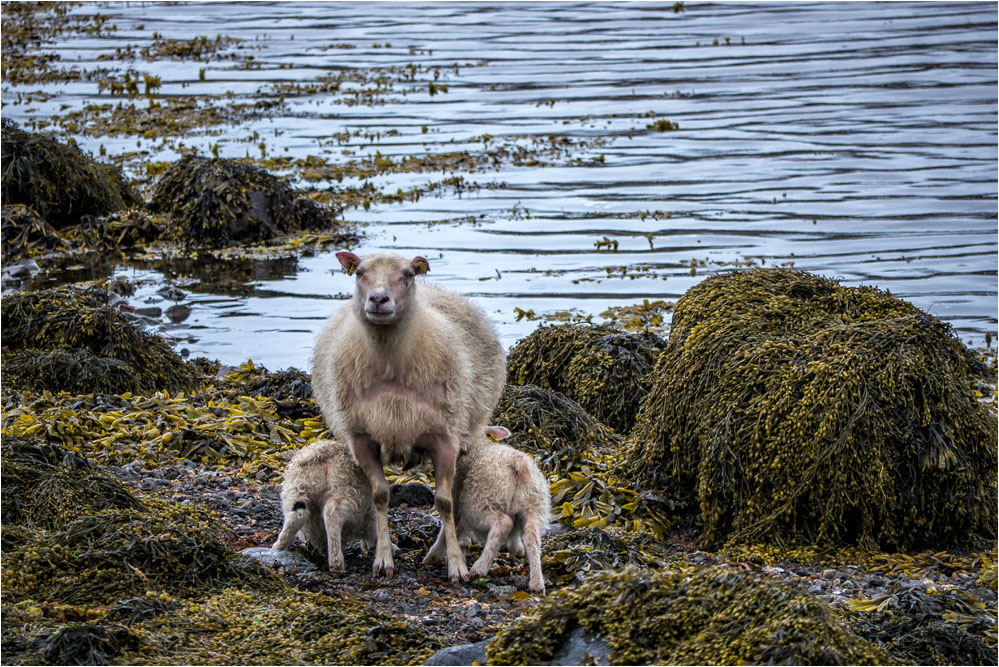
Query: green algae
point(57, 180)
point(799, 411)
point(67, 338)
point(215, 202)
point(605, 370)
point(714, 615)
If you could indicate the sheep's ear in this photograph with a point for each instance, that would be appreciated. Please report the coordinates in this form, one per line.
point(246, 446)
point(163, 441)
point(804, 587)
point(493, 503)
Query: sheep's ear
point(420, 265)
point(497, 432)
point(348, 261)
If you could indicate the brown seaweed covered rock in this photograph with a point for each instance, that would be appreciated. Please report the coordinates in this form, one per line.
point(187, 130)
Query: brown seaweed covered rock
point(711, 616)
point(70, 339)
point(215, 202)
point(57, 180)
point(796, 410)
point(603, 369)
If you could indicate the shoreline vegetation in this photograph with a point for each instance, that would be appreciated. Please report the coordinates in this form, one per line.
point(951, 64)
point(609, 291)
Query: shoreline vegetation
point(793, 472)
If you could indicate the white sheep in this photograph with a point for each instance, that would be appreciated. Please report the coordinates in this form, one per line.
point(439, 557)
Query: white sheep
point(406, 369)
point(501, 496)
point(326, 497)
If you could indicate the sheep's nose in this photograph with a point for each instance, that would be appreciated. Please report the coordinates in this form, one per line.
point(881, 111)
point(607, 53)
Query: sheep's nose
point(378, 298)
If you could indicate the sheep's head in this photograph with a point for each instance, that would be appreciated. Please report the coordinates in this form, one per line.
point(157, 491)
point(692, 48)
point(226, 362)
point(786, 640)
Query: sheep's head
point(385, 283)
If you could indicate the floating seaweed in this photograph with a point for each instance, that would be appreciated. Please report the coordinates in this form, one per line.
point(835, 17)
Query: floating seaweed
point(57, 180)
point(799, 411)
point(713, 615)
point(65, 338)
point(215, 202)
point(603, 369)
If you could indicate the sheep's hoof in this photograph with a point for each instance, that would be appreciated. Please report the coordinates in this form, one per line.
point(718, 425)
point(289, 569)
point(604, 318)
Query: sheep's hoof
point(388, 571)
point(537, 588)
point(336, 566)
point(457, 571)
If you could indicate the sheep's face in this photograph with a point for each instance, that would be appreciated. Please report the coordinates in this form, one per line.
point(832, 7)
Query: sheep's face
point(385, 284)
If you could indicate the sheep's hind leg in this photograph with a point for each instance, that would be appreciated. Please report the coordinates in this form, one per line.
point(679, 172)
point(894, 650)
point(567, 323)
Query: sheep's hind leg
point(367, 454)
point(499, 528)
point(444, 454)
point(334, 527)
point(436, 553)
point(293, 522)
point(532, 546)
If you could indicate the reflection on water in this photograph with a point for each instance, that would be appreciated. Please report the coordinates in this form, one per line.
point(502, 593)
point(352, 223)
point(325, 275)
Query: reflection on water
point(854, 140)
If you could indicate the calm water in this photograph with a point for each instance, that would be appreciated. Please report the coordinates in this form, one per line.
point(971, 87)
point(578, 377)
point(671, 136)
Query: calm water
point(857, 141)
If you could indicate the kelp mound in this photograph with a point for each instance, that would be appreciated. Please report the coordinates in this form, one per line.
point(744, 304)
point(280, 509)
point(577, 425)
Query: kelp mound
point(800, 411)
point(57, 180)
point(103, 544)
point(70, 339)
point(601, 368)
point(570, 556)
point(215, 202)
point(709, 616)
point(920, 626)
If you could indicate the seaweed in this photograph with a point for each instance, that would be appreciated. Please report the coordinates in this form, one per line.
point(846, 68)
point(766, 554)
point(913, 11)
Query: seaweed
point(215, 202)
point(45, 485)
point(57, 180)
point(25, 233)
point(920, 626)
point(798, 411)
point(65, 338)
point(711, 615)
point(603, 369)
point(81, 644)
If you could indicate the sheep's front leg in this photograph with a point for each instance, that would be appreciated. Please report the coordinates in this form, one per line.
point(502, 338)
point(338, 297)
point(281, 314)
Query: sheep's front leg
point(443, 452)
point(367, 454)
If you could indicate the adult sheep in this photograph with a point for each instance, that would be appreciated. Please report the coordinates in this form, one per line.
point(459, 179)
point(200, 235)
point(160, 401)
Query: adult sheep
point(405, 370)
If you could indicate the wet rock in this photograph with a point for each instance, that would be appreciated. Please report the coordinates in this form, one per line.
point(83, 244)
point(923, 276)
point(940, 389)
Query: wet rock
point(413, 494)
point(287, 561)
point(178, 313)
point(465, 654)
point(582, 648)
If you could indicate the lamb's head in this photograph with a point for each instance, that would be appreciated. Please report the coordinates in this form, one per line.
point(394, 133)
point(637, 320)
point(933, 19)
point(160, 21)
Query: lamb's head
point(385, 284)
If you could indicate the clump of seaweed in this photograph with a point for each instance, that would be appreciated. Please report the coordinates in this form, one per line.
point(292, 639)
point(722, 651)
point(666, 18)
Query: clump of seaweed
point(85, 644)
point(603, 369)
point(24, 233)
point(71, 339)
point(920, 626)
point(45, 485)
point(713, 615)
point(570, 556)
point(247, 626)
point(57, 180)
point(800, 411)
point(215, 202)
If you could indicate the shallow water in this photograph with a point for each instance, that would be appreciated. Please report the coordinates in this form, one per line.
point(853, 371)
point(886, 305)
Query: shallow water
point(857, 141)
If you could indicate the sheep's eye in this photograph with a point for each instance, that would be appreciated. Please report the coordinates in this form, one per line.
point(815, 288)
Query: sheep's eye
point(358, 272)
point(408, 275)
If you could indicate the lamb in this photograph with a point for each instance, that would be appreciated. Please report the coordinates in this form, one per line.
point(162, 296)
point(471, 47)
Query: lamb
point(405, 370)
point(326, 497)
point(501, 496)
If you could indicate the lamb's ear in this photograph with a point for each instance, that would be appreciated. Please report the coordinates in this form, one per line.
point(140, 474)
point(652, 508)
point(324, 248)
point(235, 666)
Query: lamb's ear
point(348, 261)
point(420, 265)
point(497, 432)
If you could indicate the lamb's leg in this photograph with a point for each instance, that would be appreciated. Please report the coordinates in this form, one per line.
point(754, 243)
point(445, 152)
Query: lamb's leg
point(532, 546)
point(436, 553)
point(367, 453)
point(443, 452)
point(334, 527)
point(294, 520)
point(499, 527)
